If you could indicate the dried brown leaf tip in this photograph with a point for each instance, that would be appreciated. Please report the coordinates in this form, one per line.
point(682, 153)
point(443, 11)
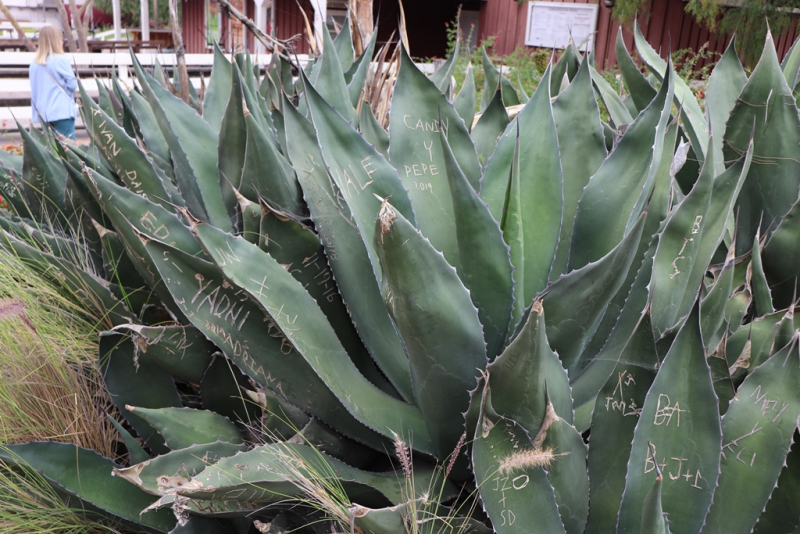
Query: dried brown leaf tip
point(550, 417)
point(386, 216)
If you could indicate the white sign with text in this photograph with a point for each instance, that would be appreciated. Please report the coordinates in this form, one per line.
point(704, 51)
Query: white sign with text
point(550, 24)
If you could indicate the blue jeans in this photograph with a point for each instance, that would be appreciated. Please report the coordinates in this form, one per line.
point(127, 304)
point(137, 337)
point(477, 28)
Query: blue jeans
point(65, 127)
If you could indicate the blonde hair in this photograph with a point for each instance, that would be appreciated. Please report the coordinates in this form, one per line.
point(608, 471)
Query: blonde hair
point(50, 42)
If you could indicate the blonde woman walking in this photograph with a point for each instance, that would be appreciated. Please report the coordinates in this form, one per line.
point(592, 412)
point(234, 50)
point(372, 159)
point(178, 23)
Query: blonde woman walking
point(53, 84)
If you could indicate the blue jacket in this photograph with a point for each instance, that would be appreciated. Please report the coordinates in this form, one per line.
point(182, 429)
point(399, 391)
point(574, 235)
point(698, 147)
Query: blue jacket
point(51, 89)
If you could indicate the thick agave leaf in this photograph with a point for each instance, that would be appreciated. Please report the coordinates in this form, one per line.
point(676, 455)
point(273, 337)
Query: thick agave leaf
point(299, 251)
point(244, 62)
point(766, 112)
point(343, 43)
point(443, 76)
point(204, 509)
point(271, 473)
point(358, 170)
point(104, 101)
point(328, 80)
point(512, 479)
point(312, 337)
point(680, 421)
point(523, 96)
point(134, 380)
point(786, 330)
point(326, 440)
point(182, 351)
point(758, 281)
point(193, 147)
point(44, 181)
point(183, 427)
point(219, 90)
point(781, 257)
point(579, 131)
point(148, 126)
point(720, 375)
point(347, 253)
point(722, 90)
point(233, 319)
point(524, 190)
point(527, 373)
point(757, 432)
point(256, 104)
point(588, 382)
point(712, 318)
point(172, 470)
point(438, 323)
point(117, 265)
point(433, 516)
point(782, 513)
point(129, 121)
point(490, 126)
point(419, 110)
point(617, 193)
point(688, 242)
point(11, 190)
point(224, 389)
point(205, 525)
point(129, 162)
point(464, 102)
point(616, 413)
point(617, 111)
point(612, 333)
point(694, 122)
point(754, 342)
point(232, 144)
point(130, 213)
point(266, 174)
point(74, 160)
point(251, 215)
point(642, 93)
point(372, 131)
point(91, 157)
point(575, 303)
point(791, 64)
point(654, 520)
point(356, 77)
point(567, 473)
point(486, 274)
point(491, 79)
point(85, 475)
point(737, 307)
point(567, 66)
point(136, 452)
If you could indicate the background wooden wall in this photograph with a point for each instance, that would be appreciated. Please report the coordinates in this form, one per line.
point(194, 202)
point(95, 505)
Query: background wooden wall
point(667, 26)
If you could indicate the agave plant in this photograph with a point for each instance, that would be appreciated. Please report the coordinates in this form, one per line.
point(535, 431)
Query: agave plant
point(546, 323)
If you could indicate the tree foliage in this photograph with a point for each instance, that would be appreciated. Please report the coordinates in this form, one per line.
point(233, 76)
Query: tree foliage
point(131, 11)
point(748, 19)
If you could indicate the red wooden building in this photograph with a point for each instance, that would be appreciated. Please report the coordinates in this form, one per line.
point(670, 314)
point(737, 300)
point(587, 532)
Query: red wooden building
point(665, 24)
